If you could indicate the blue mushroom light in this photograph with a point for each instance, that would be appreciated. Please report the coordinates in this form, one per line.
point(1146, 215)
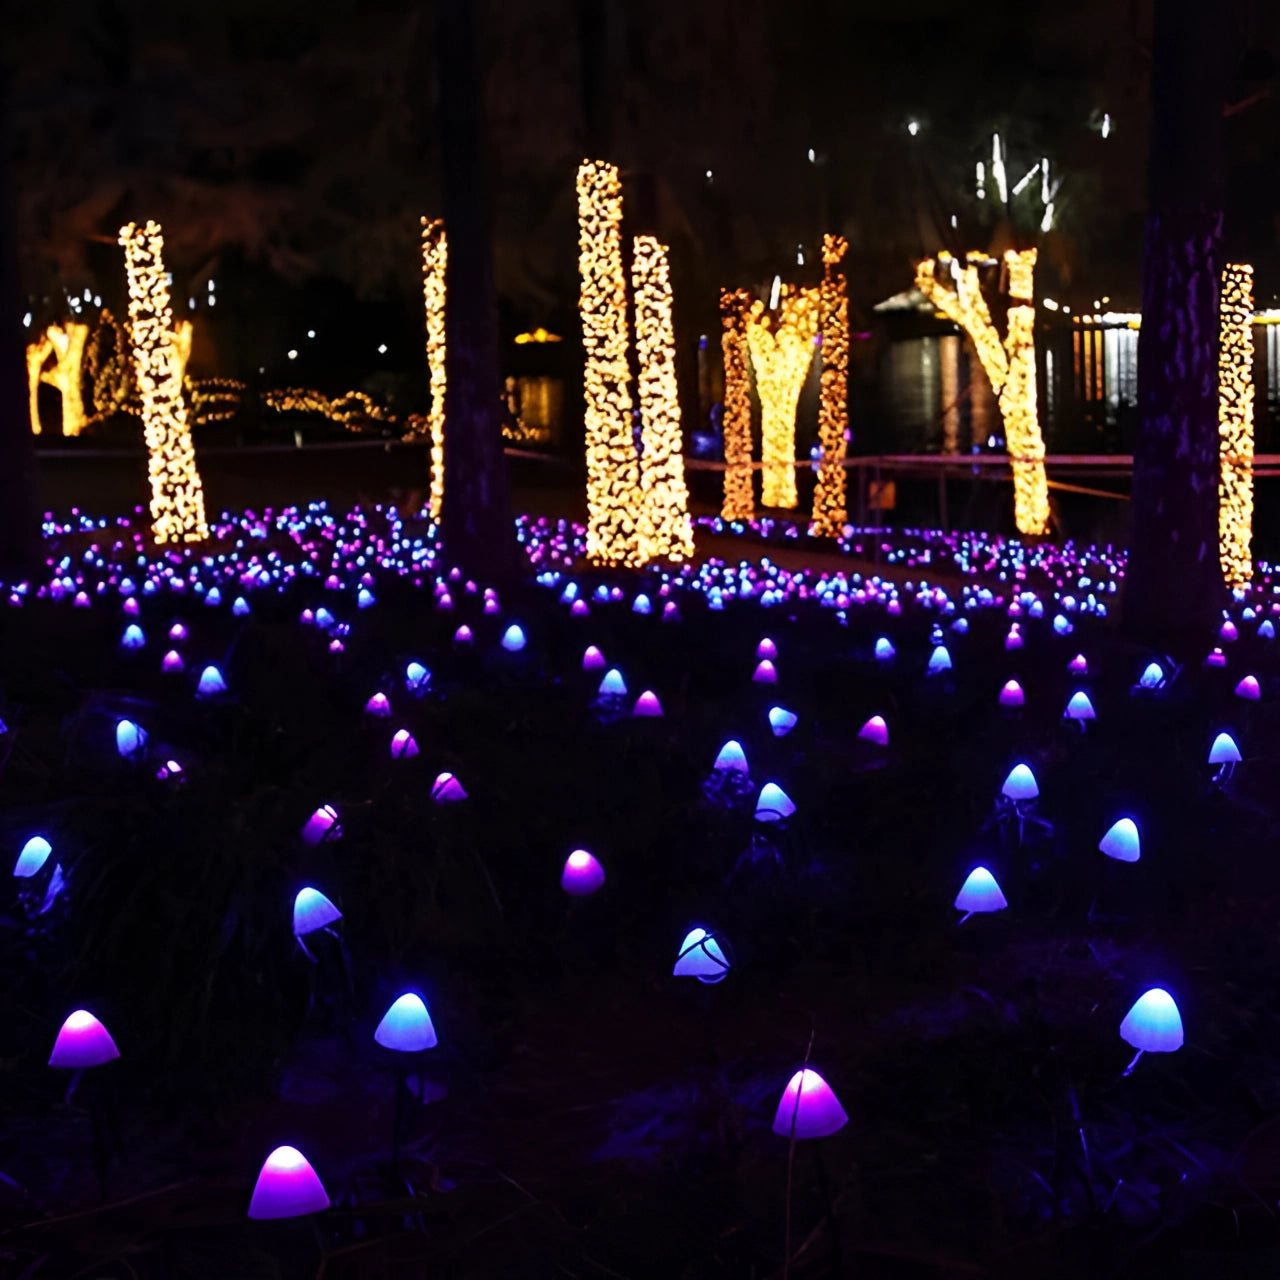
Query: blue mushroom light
point(1121, 841)
point(701, 957)
point(1153, 1025)
point(939, 661)
point(211, 683)
point(131, 740)
point(513, 640)
point(35, 853)
point(773, 805)
point(1020, 786)
point(312, 911)
point(406, 1027)
point(782, 721)
point(133, 637)
point(979, 894)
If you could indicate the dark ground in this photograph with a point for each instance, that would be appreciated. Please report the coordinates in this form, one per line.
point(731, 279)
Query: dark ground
point(600, 1117)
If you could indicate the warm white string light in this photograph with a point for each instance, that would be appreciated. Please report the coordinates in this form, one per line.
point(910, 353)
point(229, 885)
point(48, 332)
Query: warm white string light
point(1235, 424)
point(739, 490)
point(177, 497)
point(666, 528)
point(829, 504)
point(435, 255)
point(614, 497)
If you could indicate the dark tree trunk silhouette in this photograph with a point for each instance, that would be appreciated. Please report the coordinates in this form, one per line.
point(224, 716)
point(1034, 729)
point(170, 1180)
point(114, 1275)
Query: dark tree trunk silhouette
point(1174, 585)
point(19, 514)
point(478, 532)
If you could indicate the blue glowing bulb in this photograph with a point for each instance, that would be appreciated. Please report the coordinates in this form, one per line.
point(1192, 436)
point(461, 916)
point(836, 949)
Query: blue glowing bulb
point(35, 853)
point(1121, 841)
point(782, 721)
point(1224, 750)
point(324, 619)
point(773, 804)
point(416, 676)
point(1154, 1024)
point(131, 739)
point(365, 598)
point(1020, 784)
point(884, 650)
point(1062, 626)
point(701, 957)
point(613, 685)
point(513, 638)
point(1152, 676)
point(133, 637)
point(939, 660)
point(641, 605)
point(406, 1026)
point(731, 756)
point(312, 911)
point(239, 607)
point(214, 597)
point(211, 683)
point(1079, 707)
point(980, 892)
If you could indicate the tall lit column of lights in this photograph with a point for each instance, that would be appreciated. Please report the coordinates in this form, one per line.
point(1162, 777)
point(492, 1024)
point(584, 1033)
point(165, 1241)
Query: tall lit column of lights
point(435, 256)
point(66, 343)
point(177, 497)
point(1009, 365)
point(1235, 424)
point(739, 490)
point(781, 352)
point(614, 498)
point(667, 526)
point(829, 510)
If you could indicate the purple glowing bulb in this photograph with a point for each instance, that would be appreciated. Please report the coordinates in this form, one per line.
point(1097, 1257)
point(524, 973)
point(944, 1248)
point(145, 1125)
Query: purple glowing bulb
point(766, 649)
point(287, 1187)
point(875, 730)
point(580, 609)
point(403, 746)
point(647, 705)
point(765, 673)
point(1014, 639)
point(1011, 695)
point(1216, 658)
point(83, 1042)
point(172, 662)
point(582, 874)
point(312, 911)
point(447, 790)
point(1078, 666)
point(491, 606)
point(808, 1108)
point(463, 637)
point(379, 706)
point(593, 659)
point(406, 1027)
point(1248, 689)
point(322, 825)
point(1227, 632)
point(35, 853)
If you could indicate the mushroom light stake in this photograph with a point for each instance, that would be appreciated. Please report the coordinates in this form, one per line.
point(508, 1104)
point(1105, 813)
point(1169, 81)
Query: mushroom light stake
point(701, 956)
point(1153, 1025)
point(1017, 798)
point(979, 894)
point(1226, 755)
point(406, 1028)
point(312, 911)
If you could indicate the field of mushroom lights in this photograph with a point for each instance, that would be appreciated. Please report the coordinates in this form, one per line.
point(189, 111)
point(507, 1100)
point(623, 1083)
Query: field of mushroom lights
point(913, 841)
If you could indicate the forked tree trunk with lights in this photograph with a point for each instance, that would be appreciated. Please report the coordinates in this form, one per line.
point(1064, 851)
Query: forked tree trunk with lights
point(1174, 581)
point(19, 513)
point(478, 532)
point(1010, 364)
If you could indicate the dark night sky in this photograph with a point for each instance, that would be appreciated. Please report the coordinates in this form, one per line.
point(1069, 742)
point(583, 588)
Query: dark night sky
point(299, 136)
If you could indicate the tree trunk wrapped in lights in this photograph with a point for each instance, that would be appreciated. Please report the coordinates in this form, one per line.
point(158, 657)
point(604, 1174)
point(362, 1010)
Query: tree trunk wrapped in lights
point(177, 497)
point(667, 529)
point(829, 510)
point(66, 343)
point(739, 492)
point(1235, 424)
point(1010, 365)
point(614, 498)
point(435, 253)
point(781, 352)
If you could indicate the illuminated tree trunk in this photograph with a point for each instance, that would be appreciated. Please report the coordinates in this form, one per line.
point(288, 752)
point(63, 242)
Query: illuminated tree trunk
point(435, 257)
point(478, 532)
point(1010, 366)
point(829, 508)
point(66, 344)
point(1235, 424)
point(19, 513)
point(1173, 583)
point(739, 488)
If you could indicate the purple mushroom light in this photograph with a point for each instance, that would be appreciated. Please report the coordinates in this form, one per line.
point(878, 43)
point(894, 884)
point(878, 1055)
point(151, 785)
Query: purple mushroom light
point(287, 1187)
point(647, 706)
point(808, 1108)
point(82, 1042)
point(875, 731)
point(582, 875)
point(322, 825)
point(403, 745)
point(446, 789)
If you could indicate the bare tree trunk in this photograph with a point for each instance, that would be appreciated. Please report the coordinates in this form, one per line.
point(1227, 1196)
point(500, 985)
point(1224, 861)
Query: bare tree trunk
point(478, 532)
point(19, 514)
point(1174, 586)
